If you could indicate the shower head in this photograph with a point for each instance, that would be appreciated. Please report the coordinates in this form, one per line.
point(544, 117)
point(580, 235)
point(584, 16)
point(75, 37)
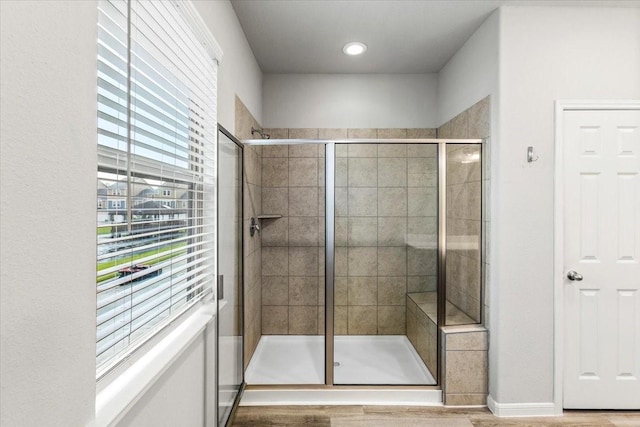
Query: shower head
point(260, 132)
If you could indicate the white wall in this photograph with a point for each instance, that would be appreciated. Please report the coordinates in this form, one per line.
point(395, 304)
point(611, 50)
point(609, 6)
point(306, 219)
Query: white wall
point(48, 228)
point(472, 73)
point(546, 54)
point(48, 177)
point(177, 398)
point(239, 72)
point(349, 100)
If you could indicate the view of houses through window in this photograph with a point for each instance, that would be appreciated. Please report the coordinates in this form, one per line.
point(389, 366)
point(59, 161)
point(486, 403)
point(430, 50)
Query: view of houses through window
point(155, 178)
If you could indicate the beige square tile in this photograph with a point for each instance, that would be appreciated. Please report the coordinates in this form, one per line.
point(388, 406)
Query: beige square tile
point(303, 172)
point(392, 172)
point(466, 341)
point(362, 231)
point(275, 150)
point(362, 320)
point(321, 291)
point(392, 150)
point(362, 133)
point(332, 133)
point(275, 320)
point(321, 261)
point(275, 290)
point(342, 150)
point(303, 150)
point(392, 320)
point(421, 133)
point(342, 172)
point(463, 164)
point(252, 199)
point(274, 201)
point(274, 260)
point(363, 150)
point(303, 320)
point(340, 320)
point(426, 226)
point(469, 399)
point(341, 230)
point(466, 372)
point(421, 262)
point(392, 290)
point(422, 283)
point(460, 125)
point(321, 202)
point(422, 201)
point(274, 232)
point(321, 320)
point(412, 329)
point(392, 261)
point(342, 201)
point(362, 291)
point(362, 172)
point(422, 172)
point(275, 172)
point(303, 261)
point(340, 291)
point(392, 133)
point(303, 290)
point(362, 261)
point(302, 133)
point(321, 172)
point(392, 201)
point(362, 201)
point(445, 131)
point(303, 231)
point(391, 231)
point(321, 231)
point(341, 262)
point(303, 201)
point(422, 150)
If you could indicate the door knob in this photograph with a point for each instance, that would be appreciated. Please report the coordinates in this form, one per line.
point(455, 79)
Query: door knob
point(574, 275)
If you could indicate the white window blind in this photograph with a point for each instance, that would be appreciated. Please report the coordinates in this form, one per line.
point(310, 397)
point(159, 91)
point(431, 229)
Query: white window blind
point(156, 170)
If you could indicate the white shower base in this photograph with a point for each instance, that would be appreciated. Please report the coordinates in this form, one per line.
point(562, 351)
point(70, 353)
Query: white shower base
point(361, 360)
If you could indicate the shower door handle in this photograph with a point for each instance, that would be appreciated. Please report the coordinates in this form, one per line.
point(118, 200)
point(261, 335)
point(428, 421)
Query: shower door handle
point(221, 287)
point(574, 275)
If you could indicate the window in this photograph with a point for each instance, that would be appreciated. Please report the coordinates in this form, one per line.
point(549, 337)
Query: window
point(156, 133)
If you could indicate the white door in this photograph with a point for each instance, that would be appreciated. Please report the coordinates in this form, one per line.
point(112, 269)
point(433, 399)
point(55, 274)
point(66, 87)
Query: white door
point(602, 246)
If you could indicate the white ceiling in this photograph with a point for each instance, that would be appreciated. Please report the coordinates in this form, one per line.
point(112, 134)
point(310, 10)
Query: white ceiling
point(403, 36)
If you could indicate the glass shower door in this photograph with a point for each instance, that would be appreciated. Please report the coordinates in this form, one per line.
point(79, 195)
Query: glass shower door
point(385, 282)
point(229, 291)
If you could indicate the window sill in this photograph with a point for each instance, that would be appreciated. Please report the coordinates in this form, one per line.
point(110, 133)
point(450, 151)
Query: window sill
point(116, 399)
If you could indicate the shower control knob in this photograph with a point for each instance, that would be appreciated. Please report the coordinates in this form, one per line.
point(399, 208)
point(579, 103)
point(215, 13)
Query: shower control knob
point(574, 275)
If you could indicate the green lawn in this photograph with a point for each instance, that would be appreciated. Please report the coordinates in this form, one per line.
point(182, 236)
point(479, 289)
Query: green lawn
point(130, 260)
point(104, 230)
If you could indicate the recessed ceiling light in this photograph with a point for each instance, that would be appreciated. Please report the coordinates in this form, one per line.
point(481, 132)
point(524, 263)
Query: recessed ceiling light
point(354, 48)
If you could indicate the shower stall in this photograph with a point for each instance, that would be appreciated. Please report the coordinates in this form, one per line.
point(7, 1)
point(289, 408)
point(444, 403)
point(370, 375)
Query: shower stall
point(368, 248)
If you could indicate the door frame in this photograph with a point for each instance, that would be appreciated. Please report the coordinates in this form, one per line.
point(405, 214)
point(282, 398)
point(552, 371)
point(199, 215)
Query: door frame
point(558, 225)
point(236, 403)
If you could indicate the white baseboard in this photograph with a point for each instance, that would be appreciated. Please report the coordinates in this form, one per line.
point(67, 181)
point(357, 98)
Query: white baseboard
point(522, 409)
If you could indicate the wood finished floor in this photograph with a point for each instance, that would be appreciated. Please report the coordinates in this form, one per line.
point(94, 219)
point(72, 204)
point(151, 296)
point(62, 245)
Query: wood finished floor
point(400, 416)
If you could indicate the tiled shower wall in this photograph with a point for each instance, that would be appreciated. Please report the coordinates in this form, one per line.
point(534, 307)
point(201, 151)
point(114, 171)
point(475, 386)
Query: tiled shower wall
point(383, 192)
point(252, 246)
point(293, 245)
point(465, 189)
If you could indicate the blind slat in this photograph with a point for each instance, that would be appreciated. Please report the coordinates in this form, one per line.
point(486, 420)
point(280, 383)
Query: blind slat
point(156, 171)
